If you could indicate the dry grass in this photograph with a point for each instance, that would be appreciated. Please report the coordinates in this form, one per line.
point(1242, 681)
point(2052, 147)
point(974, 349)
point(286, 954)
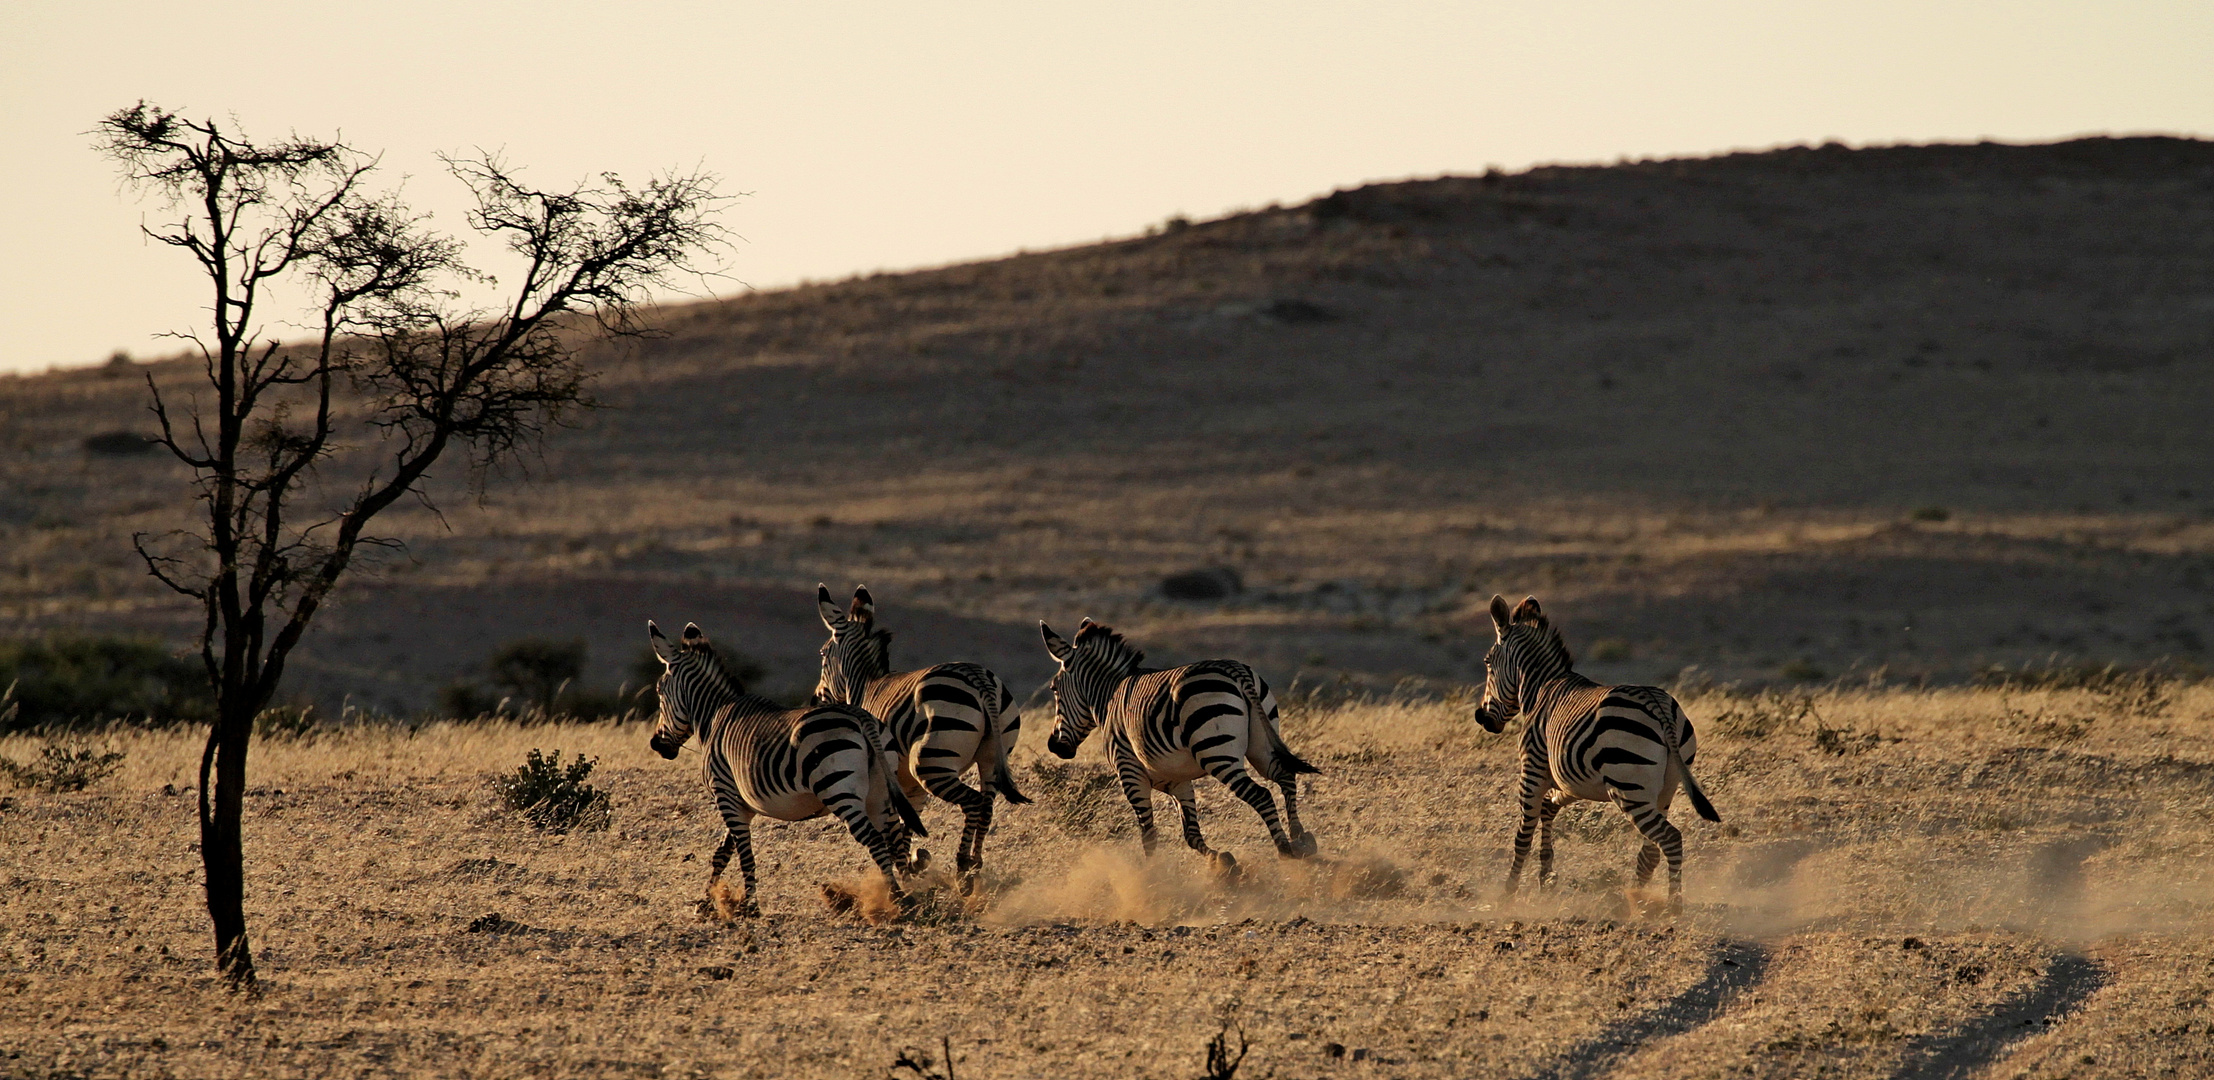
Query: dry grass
point(378, 855)
point(1703, 408)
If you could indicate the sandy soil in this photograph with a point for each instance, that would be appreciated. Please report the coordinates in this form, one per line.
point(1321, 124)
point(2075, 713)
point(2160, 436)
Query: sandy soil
point(1947, 883)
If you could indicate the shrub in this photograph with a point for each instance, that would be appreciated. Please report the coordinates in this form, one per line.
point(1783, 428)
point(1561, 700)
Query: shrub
point(554, 797)
point(465, 700)
point(1610, 650)
point(1763, 714)
point(69, 680)
point(536, 670)
point(2131, 690)
point(63, 768)
point(119, 444)
point(286, 722)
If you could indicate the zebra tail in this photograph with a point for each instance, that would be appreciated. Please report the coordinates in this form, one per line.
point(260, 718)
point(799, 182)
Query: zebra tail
point(1292, 763)
point(1003, 777)
point(906, 810)
point(874, 728)
point(1691, 787)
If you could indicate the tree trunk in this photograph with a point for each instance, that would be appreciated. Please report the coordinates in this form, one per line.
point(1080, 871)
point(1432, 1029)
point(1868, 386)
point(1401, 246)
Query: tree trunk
point(222, 853)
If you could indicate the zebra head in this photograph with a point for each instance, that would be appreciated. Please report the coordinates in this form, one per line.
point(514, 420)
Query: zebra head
point(1090, 670)
point(1527, 654)
point(691, 686)
point(857, 653)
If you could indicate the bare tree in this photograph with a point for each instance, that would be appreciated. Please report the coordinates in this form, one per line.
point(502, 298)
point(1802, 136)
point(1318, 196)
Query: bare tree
point(393, 368)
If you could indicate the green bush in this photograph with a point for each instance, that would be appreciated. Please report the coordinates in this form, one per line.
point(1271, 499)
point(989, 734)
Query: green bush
point(554, 797)
point(79, 680)
point(62, 768)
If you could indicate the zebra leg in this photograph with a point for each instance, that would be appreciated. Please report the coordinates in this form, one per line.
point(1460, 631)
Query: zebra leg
point(1131, 773)
point(1648, 858)
point(1232, 774)
point(1547, 810)
point(1662, 840)
point(853, 810)
point(1533, 803)
point(1301, 838)
point(738, 836)
point(976, 813)
point(1187, 800)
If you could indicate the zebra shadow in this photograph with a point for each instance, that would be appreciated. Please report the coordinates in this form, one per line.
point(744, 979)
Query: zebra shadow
point(1959, 1053)
point(1736, 965)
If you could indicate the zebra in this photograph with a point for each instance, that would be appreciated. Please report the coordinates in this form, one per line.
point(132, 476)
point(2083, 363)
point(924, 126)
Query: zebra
point(1628, 745)
point(1168, 728)
point(764, 760)
point(938, 721)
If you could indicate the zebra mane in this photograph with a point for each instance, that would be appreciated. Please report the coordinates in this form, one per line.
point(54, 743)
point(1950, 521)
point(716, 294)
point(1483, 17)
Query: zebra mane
point(1113, 647)
point(712, 666)
point(1547, 639)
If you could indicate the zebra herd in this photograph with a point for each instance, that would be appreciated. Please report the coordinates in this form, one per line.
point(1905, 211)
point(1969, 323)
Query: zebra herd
point(874, 741)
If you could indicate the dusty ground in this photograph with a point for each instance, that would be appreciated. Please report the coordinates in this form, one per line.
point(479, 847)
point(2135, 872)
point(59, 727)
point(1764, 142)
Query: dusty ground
point(1775, 415)
point(1948, 883)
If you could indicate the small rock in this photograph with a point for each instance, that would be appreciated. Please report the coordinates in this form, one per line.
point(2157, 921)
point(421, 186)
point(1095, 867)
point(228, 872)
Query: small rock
point(1334, 1050)
point(718, 972)
point(1207, 583)
point(1361, 1054)
point(1293, 312)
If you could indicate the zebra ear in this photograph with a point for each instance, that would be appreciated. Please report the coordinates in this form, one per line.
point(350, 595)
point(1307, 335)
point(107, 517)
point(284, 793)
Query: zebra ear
point(662, 648)
point(694, 637)
point(864, 606)
point(1500, 617)
point(1058, 648)
point(832, 617)
point(1527, 611)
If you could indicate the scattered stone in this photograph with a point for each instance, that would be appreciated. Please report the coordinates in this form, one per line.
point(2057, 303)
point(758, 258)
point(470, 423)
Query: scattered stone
point(718, 972)
point(1333, 1050)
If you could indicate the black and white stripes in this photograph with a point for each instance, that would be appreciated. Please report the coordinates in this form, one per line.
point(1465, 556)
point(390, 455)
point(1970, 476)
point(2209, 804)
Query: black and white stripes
point(939, 721)
point(1629, 745)
point(764, 760)
point(1168, 728)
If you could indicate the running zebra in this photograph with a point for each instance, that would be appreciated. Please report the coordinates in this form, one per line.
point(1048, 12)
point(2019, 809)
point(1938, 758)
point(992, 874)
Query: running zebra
point(1628, 745)
point(1168, 728)
point(764, 760)
point(939, 721)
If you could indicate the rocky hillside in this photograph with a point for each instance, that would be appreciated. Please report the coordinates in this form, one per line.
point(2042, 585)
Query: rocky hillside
point(1779, 415)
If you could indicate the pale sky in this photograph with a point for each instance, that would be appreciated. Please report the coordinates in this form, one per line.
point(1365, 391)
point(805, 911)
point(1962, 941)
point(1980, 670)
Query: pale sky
point(884, 136)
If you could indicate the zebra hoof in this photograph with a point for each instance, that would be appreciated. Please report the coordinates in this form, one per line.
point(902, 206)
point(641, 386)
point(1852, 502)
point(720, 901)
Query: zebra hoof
point(919, 861)
point(1224, 864)
point(1302, 846)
